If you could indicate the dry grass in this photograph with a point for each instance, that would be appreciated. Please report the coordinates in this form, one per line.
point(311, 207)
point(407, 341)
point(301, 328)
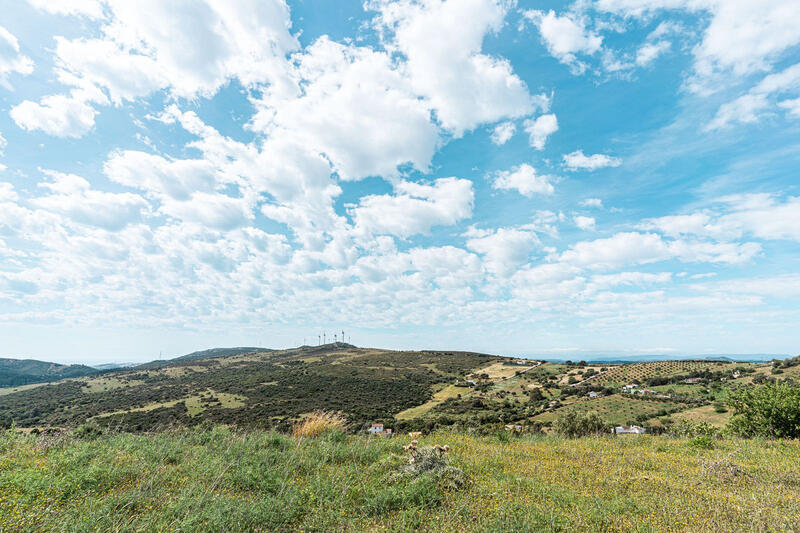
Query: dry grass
point(319, 422)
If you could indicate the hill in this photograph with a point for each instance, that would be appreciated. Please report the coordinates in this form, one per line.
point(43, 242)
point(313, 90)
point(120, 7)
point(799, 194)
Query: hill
point(16, 372)
point(223, 480)
point(405, 390)
point(265, 389)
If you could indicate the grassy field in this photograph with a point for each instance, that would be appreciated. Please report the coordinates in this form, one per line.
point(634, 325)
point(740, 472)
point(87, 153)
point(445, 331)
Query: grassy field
point(219, 480)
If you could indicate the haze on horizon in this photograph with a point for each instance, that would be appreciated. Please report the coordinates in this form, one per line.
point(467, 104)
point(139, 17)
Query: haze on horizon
point(509, 177)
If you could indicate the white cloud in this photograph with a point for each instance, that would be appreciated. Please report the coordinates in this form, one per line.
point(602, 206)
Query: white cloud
point(523, 179)
point(758, 215)
point(750, 107)
point(792, 107)
point(633, 248)
point(503, 132)
point(565, 37)
point(584, 223)
point(442, 42)
point(414, 208)
point(73, 197)
point(3, 144)
point(649, 52)
point(741, 38)
point(57, 115)
point(540, 129)
point(357, 110)
point(592, 202)
point(503, 249)
point(11, 61)
point(577, 160)
point(87, 8)
point(190, 48)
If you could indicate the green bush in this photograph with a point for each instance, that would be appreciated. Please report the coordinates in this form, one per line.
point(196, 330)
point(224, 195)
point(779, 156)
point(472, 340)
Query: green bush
point(572, 424)
point(770, 410)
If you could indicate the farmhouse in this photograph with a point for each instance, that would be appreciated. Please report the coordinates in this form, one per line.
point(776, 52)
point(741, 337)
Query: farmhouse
point(379, 430)
point(621, 430)
point(593, 394)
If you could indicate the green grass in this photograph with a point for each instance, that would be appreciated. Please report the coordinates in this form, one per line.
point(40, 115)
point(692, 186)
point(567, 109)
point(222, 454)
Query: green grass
point(221, 480)
point(615, 409)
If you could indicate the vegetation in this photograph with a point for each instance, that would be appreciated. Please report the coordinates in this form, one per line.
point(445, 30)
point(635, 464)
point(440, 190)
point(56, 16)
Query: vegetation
point(319, 423)
point(771, 410)
point(219, 479)
point(16, 372)
point(580, 424)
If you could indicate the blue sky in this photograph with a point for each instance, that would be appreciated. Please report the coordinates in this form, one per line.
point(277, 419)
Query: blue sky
point(609, 176)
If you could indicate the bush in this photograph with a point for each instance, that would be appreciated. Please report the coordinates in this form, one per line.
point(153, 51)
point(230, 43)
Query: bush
point(318, 423)
point(687, 428)
point(432, 462)
point(771, 410)
point(573, 424)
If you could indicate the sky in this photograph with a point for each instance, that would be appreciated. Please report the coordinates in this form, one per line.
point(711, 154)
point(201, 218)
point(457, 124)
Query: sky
point(513, 177)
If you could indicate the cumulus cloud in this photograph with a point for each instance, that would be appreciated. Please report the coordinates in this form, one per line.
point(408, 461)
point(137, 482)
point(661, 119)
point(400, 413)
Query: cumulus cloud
point(577, 160)
point(442, 42)
point(565, 37)
point(524, 180)
point(540, 129)
point(357, 110)
point(762, 216)
point(57, 115)
point(503, 249)
point(11, 60)
point(596, 203)
point(633, 248)
point(584, 223)
point(73, 196)
point(414, 208)
point(503, 132)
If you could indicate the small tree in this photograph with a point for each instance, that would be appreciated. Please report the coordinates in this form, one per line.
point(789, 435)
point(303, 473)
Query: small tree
point(572, 424)
point(771, 410)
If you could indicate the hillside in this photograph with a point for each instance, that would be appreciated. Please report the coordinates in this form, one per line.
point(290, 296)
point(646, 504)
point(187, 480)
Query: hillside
point(223, 480)
point(264, 389)
point(406, 390)
point(16, 372)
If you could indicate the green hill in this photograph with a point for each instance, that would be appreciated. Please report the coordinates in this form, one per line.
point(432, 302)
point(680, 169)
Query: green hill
point(405, 390)
point(16, 372)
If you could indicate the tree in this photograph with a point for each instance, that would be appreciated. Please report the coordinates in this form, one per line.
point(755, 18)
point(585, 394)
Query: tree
point(771, 410)
point(572, 424)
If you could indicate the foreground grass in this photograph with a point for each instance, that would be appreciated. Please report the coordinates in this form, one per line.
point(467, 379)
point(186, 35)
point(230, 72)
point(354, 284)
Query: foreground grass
point(221, 480)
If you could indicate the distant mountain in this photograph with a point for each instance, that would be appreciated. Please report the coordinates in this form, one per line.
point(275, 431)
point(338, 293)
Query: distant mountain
point(621, 360)
point(205, 354)
point(113, 366)
point(15, 372)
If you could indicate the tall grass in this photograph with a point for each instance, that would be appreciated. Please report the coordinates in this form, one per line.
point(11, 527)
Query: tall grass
point(319, 423)
point(219, 479)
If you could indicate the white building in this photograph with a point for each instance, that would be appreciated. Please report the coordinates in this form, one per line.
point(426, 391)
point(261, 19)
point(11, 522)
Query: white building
point(621, 430)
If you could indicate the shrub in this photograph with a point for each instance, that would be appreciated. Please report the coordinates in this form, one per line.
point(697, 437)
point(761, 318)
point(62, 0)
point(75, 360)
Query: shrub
point(702, 442)
point(771, 410)
point(432, 461)
point(687, 428)
point(318, 423)
point(573, 424)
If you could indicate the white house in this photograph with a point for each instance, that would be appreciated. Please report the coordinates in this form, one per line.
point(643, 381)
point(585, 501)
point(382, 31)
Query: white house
point(593, 394)
point(380, 431)
point(621, 430)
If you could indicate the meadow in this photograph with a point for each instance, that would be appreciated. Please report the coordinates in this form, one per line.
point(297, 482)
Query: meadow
point(221, 479)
